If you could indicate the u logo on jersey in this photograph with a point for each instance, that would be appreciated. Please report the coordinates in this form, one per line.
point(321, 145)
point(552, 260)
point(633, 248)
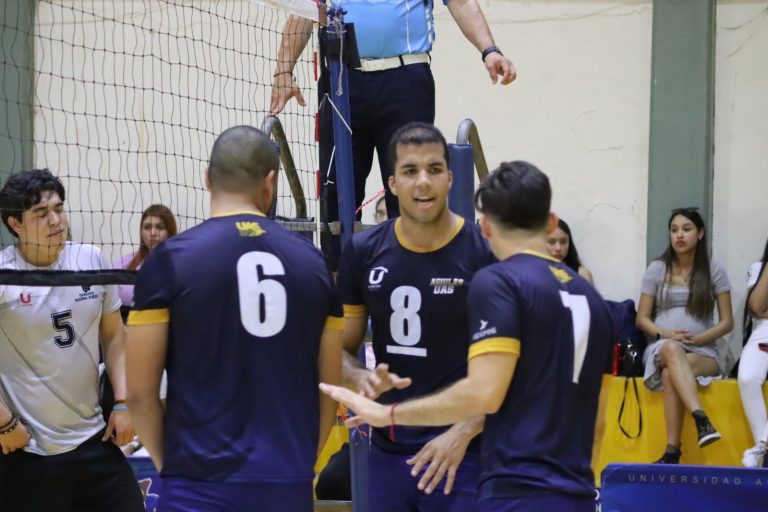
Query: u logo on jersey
point(376, 276)
point(25, 300)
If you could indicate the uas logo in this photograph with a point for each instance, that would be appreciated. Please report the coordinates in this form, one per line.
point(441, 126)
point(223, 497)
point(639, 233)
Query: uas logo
point(376, 276)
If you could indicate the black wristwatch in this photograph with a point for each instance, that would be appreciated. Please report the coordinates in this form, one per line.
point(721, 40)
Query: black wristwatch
point(490, 50)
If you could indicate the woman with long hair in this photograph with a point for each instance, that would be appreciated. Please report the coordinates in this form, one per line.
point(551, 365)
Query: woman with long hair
point(157, 224)
point(560, 246)
point(680, 292)
point(753, 365)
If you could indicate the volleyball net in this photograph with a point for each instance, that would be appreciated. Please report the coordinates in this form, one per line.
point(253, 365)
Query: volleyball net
point(122, 100)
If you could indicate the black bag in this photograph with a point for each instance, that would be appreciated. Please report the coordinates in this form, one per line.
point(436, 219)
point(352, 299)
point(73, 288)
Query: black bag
point(631, 342)
point(627, 381)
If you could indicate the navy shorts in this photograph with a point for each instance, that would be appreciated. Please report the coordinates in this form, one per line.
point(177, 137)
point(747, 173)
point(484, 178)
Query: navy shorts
point(180, 494)
point(391, 488)
point(537, 503)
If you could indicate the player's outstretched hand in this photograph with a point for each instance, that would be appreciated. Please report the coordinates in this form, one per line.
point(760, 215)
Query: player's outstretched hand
point(283, 89)
point(15, 440)
point(500, 68)
point(380, 380)
point(442, 457)
point(367, 411)
point(119, 429)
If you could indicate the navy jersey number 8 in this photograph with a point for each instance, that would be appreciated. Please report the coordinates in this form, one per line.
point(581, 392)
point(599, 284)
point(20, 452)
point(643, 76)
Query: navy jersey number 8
point(405, 324)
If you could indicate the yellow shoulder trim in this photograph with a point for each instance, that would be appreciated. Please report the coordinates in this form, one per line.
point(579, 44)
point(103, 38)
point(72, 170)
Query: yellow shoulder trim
point(334, 323)
point(491, 345)
point(541, 255)
point(246, 212)
point(355, 310)
point(401, 240)
point(149, 317)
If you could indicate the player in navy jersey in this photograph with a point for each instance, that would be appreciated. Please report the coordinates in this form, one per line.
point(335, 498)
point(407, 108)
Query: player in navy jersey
point(540, 334)
point(246, 319)
point(411, 275)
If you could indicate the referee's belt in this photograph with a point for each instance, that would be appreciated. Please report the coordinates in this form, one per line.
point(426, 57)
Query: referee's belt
point(394, 62)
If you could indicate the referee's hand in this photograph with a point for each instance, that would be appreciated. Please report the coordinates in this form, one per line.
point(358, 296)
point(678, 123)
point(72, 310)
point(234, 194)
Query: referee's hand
point(500, 69)
point(283, 89)
point(15, 440)
point(119, 429)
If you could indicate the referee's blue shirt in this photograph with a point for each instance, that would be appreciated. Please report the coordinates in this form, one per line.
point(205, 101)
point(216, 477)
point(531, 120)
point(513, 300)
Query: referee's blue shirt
point(387, 28)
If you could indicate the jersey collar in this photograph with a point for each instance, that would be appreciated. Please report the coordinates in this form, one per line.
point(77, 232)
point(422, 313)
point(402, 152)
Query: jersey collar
point(232, 214)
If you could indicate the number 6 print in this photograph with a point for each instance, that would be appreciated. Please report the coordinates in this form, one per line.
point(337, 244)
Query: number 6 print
point(268, 320)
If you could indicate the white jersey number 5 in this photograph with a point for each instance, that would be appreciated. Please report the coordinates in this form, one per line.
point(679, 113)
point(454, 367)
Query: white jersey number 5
point(263, 302)
point(581, 316)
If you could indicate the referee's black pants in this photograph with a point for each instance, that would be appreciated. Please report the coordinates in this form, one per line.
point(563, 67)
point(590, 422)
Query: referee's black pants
point(94, 477)
point(380, 102)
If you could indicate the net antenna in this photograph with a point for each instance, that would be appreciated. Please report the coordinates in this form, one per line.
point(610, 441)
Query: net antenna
point(122, 100)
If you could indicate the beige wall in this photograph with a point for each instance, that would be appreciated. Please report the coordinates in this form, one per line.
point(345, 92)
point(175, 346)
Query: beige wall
point(741, 141)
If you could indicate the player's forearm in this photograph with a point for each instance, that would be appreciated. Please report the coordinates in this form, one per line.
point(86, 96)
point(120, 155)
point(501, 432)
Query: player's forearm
point(327, 419)
point(114, 359)
point(455, 404)
point(296, 34)
point(352, 371)
point(470, 427)
point(5, 414)
point(471, 20)
point(329, 370)
point(147, 416)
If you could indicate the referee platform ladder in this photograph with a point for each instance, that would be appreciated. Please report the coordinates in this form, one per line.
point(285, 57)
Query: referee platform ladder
point(466, 155)
point(300, 223)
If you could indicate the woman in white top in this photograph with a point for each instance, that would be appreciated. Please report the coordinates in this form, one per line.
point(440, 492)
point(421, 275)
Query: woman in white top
point(754, 361)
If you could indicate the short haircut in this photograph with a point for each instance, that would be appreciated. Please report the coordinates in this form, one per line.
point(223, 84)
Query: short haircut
point(240, 159)
point(516, 195)
point(24, 189)
point(415, 133)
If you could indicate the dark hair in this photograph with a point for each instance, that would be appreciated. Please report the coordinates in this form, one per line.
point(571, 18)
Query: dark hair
point(516, 195)
point(22, 190)
point(415, 133)
point(166, 215)
point(572, 257)
point(747, 317)
point(701, 302)
point(240, 159)
point(379, 201)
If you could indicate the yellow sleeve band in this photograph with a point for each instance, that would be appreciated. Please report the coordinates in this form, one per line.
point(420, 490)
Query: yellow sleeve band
point(491, 345)
point(335, 323)
point(149, 317)
point(355, 310)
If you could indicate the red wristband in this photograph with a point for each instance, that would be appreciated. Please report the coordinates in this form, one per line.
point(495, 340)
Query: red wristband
point(392, 422)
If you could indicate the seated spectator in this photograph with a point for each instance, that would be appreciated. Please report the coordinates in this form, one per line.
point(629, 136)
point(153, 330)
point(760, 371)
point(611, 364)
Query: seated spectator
point(380, 214)
point(679, 293)
point(560, 246)
point(157, 224)
point(754, 360)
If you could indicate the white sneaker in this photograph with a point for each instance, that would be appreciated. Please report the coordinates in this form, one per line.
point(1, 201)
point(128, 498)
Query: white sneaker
point(753, 457)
